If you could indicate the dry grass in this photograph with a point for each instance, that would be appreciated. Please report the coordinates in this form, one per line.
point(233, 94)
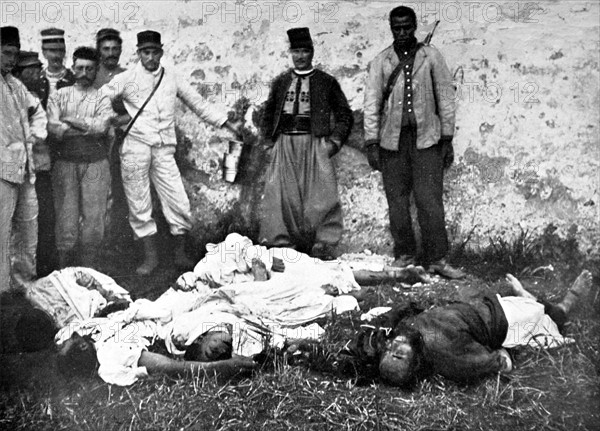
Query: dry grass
point(549, 390)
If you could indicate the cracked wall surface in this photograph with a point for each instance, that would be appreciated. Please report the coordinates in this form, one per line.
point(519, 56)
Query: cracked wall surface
point(527, 137)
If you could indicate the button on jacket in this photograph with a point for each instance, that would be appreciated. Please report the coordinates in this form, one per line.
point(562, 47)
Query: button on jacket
point(433, 99)
point(156, 124)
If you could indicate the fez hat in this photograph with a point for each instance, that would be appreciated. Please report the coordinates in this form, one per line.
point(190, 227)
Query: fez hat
point(300, 38)
point(108, 34)
point(28, 58)
point(10, 36)
point(148, 39)
point(53, 38)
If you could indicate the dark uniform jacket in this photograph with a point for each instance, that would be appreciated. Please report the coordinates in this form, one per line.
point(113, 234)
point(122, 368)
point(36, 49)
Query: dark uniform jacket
point(326, 99)
point(461, 340)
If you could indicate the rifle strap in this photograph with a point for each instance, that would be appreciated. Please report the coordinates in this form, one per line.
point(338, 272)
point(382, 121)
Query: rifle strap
point(130, 125)
point(393, 79)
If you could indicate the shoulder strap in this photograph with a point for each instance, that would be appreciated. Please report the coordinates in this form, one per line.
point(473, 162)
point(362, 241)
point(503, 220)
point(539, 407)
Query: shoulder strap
point(130, 125)
point(393, 79)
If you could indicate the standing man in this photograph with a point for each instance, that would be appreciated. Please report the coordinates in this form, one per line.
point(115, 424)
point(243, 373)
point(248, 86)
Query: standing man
point(148, 150)
point(29, 72)
point(78, 120)
point(409, 125)
point(109, 46)
point(55, 76)
point(23, 125)
point(54, 51)
point(301, 206)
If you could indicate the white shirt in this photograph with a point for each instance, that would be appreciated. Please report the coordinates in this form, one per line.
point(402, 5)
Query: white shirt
point(156, 123)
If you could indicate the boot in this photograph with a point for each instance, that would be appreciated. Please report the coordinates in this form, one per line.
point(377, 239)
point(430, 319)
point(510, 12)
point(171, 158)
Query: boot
point(580, 288)
point(150, 256)
point(181, 260)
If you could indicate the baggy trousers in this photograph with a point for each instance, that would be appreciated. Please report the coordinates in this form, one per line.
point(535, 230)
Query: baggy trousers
point(301, 205)
point(140, 164)
point(18, 225)
point(419, 171)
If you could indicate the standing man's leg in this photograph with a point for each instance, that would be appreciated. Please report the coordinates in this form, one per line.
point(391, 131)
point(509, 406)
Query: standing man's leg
point(26, 234)
point(65, 184)
point(322, 207)
point(136, 158)
point(8, 197)
point(396, 171)
point(281, 202)
point(175, 204)
point(95, 186)
point(47, 260)
point(428, 186)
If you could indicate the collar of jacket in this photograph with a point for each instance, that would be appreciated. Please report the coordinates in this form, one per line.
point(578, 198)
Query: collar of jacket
point(420, 56)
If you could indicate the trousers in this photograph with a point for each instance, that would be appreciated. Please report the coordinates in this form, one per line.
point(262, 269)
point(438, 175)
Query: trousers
point(422, 173)
point(142, 163)
point(301, 205)
point(18, 227)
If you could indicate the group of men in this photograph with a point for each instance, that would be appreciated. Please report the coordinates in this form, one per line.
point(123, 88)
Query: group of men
point(408, 129)
point(78, 131)
point(61, 126)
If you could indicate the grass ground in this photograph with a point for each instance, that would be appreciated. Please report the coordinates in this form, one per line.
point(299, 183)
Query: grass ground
point(548, 390)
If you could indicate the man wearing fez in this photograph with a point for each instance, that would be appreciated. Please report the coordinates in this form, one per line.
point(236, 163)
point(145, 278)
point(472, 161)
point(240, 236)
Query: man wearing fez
point(301, 206)
point(147, 153)
point(78, 120)
point(409, 125)
point(29, 71)
point(23, 125)
point(108, 44)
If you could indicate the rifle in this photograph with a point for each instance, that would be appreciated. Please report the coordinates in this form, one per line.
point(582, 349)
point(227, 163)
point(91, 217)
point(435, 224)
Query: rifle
point(427, 39)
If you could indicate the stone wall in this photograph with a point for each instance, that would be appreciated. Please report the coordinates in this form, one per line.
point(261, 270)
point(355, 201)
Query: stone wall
point(527, 139)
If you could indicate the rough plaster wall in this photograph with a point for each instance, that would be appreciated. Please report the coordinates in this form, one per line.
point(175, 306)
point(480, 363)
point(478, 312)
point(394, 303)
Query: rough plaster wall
point(527, 150)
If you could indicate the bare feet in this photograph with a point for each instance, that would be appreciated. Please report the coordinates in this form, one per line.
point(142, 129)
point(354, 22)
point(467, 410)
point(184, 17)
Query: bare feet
point(581, 287)
point(518, 288)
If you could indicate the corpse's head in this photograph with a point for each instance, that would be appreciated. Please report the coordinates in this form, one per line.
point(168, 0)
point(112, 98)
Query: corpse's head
point(402, 360)
point(210, 346)
point(77, 356)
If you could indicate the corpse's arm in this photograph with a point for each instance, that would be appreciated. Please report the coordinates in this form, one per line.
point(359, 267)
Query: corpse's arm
point(157, 363)
point(470, 363)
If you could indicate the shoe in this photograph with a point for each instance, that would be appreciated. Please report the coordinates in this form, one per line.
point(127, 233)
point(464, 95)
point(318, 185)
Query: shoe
point(403, 261)
point(182, 261)
point(150, 256)
point(445, 270)
point(323, 251)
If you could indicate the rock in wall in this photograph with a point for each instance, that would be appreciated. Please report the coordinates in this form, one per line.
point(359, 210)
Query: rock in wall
point(526, 142)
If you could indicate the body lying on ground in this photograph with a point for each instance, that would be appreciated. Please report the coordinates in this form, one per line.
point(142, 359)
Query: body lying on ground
point(464, 342)
point(226, 324)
